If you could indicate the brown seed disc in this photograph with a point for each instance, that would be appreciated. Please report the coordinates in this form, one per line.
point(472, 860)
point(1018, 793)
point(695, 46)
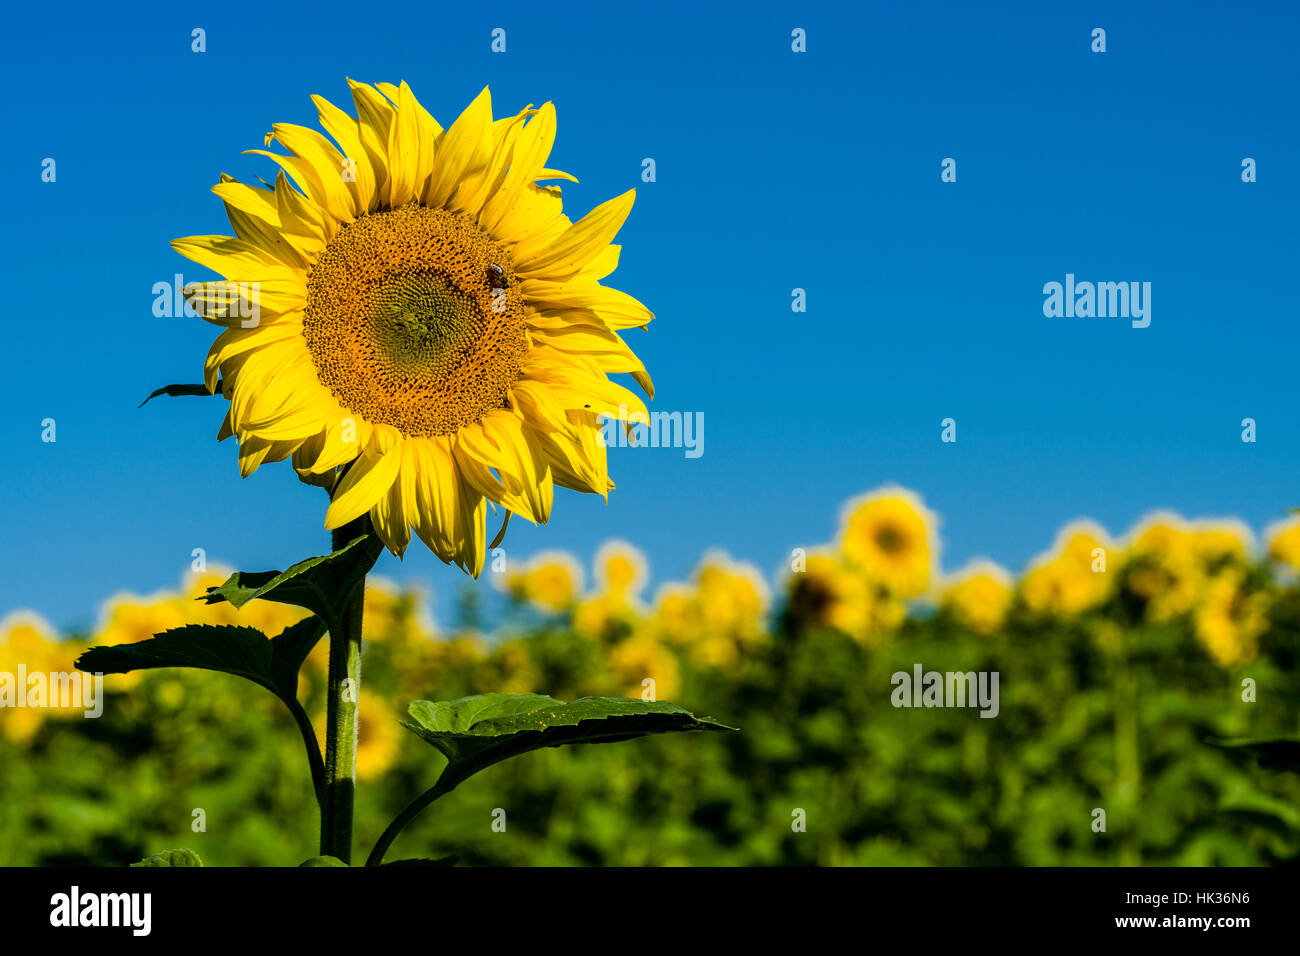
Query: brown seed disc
point(409, 323)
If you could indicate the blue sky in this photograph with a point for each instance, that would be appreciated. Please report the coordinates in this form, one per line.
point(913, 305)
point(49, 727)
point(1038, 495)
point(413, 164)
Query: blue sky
point(775, 170)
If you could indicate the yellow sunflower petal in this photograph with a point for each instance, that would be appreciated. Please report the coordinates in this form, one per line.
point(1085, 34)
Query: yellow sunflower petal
point(581, 242)
point(465, 147)
point(366, 481)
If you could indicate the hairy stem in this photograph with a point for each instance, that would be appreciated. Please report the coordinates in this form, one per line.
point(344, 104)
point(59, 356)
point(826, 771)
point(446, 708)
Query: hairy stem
point(341, 713)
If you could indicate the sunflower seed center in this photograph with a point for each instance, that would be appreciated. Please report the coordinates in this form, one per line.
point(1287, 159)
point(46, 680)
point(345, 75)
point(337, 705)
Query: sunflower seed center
point(413, 319)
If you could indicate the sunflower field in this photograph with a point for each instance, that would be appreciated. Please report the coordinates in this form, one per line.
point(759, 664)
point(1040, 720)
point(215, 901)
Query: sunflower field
point(1125, 663)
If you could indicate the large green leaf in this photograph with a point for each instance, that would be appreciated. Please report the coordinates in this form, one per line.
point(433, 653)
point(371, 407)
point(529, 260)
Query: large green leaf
point(476, 732)
point(242, 651)
point(179, 857)
point(1274, 753)
point(322, 584)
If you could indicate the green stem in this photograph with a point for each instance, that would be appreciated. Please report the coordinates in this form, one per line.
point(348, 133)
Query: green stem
point(313, 748)
point(445, 785)
point(341, 712)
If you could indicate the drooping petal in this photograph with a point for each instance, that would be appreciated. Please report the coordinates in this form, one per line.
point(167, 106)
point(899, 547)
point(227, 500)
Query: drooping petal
point(366, 481)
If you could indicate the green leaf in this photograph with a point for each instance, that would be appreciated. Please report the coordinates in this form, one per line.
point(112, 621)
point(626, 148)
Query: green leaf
point(243, 651)
point(175, 390)
point(476, 732)
point(1274, 753)
point(171, 858)
point(322, 584)
point(322, 861)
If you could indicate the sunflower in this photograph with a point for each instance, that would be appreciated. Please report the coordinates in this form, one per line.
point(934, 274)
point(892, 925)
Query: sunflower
point(1217, 542)
point(1230, 619)
point(889, 536)
point(418, 325)
point(26, 639)
point(641, 658)
point(979, 596)
point(621, 571)
point(828, 593)
point(1284, 542)
point(550, 581)
point(1072, 579)
point(1162, 567)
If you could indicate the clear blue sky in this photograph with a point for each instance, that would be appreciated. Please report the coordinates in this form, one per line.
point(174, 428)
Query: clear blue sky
point(775, 170)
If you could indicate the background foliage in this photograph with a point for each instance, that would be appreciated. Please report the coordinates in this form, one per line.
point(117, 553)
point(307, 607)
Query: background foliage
point(1112, 680)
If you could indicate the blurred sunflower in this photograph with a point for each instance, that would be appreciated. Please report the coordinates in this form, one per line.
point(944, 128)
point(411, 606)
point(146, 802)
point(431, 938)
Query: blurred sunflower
point(621, 571)
point(1075, 577)
point(731, 598)
point(979, 596)
point(395, 614)
point(1162, 567)
point(382, 609)
point(829, 594)
point(602, 616)
point(129, 619)
point(615, 606)
point(1230, 619)
point(26, 639)
point(550, 581)
point(1284, 542)
point(1216, 541)
point(674, 613)
point(420, 310)
point(423, 665)
point(511, 669)
point(641, 658)
point(593, 617)
point(718, 616)
point(889, 535)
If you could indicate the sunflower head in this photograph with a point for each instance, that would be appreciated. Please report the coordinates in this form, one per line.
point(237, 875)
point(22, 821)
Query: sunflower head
point(621, 571)
point(641, 658)
point(550, 581)
point(1230, 619)
point(888, 536)
point(979, 596)
point(410, 316)
point(1074, 577)
point(731, 599)
point(27, 640)
point(1284, 543)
